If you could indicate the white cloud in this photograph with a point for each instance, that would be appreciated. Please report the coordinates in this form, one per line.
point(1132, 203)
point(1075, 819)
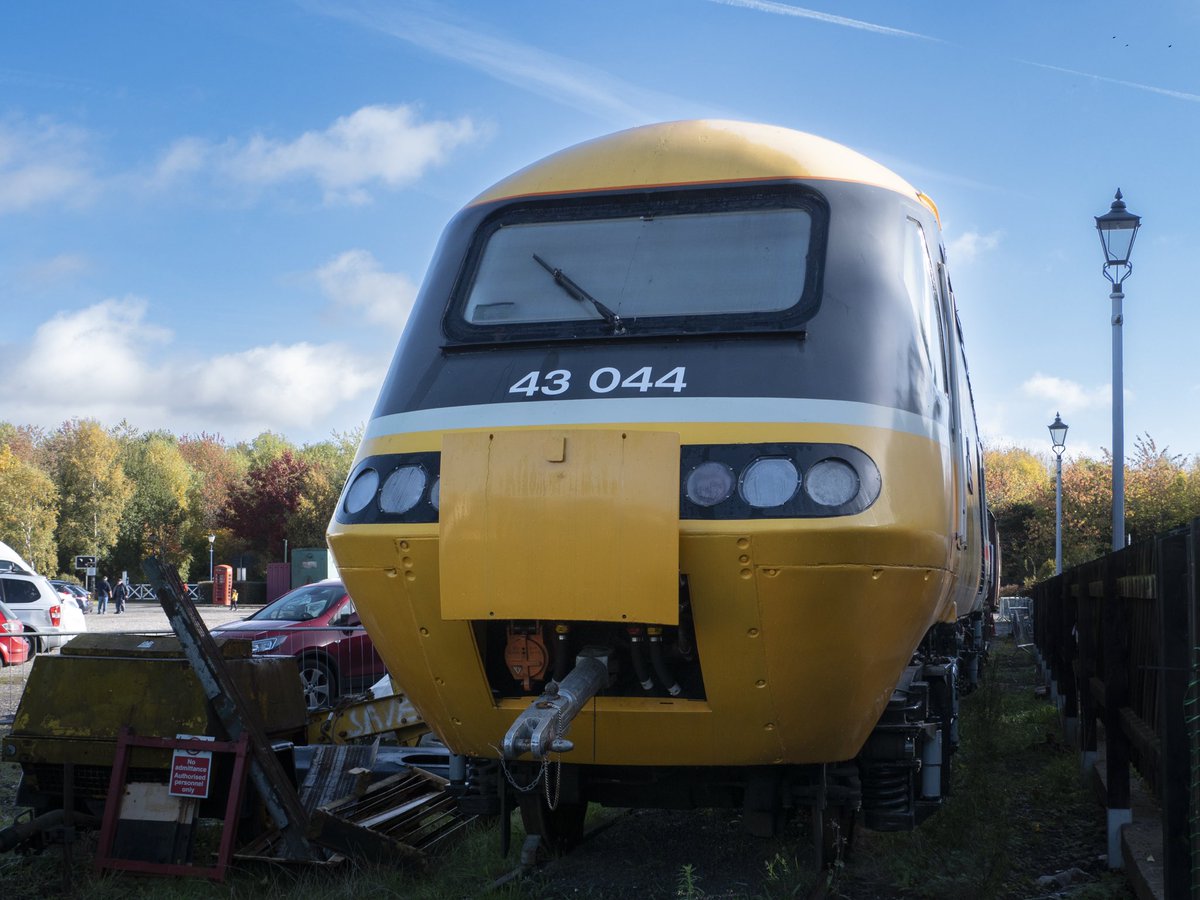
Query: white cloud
point(355, 280)
point(969, 245)
point(42, 162)
point(1065, 394)
point(375, 145)
point(784, 9)
point(55, 270)
point(549, 75)
point(109, 362)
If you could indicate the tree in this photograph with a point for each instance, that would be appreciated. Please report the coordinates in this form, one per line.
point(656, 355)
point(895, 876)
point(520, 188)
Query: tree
point(1087, 509)
point(155, 521)
point(28, 511)
point(1020, 492)
point(92, 488)
point(329, 465)
point(271, 493)
point(1157, 497)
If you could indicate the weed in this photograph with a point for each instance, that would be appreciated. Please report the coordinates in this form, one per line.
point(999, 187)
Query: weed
point(687, 887)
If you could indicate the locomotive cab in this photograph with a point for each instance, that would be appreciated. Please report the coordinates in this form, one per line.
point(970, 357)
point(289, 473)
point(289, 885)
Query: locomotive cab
point(673, 494)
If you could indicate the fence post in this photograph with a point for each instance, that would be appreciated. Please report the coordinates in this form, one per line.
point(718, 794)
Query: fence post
point(1171, 578)
point(1114, 624)
point(1086, 668)
point(1070, 677)
point(1192, 709)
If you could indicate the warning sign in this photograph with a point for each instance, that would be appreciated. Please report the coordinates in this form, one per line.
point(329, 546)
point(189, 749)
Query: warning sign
point(191, 770)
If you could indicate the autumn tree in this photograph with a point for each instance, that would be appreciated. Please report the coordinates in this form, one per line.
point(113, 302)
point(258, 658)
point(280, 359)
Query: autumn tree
point(1020, 491)
point(1157, 495)
point(329, 465)
point(259, 510)
point(92, 487)
point(28, 511)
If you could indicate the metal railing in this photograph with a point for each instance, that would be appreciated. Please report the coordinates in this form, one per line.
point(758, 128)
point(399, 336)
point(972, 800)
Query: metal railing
point(1118, 636)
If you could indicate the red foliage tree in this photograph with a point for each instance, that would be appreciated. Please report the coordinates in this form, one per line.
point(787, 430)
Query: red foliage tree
point(258, 511)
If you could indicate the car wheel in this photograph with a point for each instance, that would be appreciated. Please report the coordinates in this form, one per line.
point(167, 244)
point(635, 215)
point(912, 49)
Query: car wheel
point(36, 645)
point(318, 682)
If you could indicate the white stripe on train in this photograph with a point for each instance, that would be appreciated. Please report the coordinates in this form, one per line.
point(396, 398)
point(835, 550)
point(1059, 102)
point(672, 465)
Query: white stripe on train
point(651, 410)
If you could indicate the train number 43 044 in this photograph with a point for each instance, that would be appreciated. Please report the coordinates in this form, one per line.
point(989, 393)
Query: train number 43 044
point(604, 380)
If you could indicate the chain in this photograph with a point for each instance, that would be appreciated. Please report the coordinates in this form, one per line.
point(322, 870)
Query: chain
point(508, 776)
point(552, 801)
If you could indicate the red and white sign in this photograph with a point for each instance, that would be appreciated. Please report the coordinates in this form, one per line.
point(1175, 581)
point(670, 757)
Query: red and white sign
point(191, 770)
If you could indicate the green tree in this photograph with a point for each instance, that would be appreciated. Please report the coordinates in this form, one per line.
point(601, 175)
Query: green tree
point(329, 465)
point(155, 520)
point(1087, 509)
point(1020, 491)
point(92, 488)
point(1157, 496)
point(28, 511)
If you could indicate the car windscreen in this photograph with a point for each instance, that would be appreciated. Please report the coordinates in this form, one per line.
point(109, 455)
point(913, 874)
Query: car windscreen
point(714, 261)
point(302, 604)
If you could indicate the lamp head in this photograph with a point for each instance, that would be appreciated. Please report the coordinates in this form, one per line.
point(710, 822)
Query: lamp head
point(1058, 434)
point(1118, 227)
point(211, 538)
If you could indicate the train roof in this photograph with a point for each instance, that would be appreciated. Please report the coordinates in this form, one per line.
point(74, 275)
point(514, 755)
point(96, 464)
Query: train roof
point(691, 152)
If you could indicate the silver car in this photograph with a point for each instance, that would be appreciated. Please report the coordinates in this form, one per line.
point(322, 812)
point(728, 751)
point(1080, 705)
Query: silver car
point(49, 620)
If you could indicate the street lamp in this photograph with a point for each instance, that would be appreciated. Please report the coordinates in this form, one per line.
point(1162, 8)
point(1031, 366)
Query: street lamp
point(211, 538)
point(1058, 437)
point(1118, 227)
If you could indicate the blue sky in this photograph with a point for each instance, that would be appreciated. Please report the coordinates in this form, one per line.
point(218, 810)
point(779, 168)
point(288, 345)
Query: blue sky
point(213, 216)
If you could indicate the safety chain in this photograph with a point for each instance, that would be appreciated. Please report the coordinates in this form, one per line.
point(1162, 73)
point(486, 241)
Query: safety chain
point(552, 802)
point(508, 776)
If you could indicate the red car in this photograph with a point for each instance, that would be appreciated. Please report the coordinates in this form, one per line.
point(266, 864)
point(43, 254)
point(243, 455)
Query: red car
point(318, 625)
point(14, 649)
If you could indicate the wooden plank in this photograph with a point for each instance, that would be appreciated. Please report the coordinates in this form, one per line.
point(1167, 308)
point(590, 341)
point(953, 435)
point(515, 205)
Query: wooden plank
point(1172, 584)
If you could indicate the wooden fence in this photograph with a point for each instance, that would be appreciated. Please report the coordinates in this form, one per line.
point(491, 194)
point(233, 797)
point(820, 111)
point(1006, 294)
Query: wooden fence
point(1119, 638)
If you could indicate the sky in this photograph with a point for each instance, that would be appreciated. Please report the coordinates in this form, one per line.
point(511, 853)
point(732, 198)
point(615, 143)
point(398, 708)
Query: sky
point(214, 217)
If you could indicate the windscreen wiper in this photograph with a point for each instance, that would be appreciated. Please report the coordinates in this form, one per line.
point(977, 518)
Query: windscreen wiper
point(565, 282)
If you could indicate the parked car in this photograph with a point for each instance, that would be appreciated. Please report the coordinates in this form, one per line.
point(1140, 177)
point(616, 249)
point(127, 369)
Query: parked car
point(49, 621)
point(74, 593)
point(14, 649)
point(318, 625)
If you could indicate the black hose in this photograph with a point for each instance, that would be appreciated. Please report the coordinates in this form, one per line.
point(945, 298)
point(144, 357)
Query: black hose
point(640, 668)
point(661, 671)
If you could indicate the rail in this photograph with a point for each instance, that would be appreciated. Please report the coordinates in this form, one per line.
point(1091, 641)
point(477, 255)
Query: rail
point(1118, 637)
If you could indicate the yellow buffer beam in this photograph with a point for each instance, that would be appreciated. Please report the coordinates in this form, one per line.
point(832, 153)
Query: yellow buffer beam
point(560, 524)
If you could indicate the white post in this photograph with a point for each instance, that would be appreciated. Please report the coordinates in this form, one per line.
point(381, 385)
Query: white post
point(1118, 418)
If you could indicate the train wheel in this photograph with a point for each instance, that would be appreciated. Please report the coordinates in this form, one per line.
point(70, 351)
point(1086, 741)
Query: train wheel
point(832, 834)
point(560, 829)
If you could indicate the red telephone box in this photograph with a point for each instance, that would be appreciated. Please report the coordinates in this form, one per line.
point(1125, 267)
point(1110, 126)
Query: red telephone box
point(222, 585)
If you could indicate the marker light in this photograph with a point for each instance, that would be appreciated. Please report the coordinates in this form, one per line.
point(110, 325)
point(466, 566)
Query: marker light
point(709, 483)
point(770, 481)
point(435, 493)
point(831, 482)
point(402, 490)
point(361, 491)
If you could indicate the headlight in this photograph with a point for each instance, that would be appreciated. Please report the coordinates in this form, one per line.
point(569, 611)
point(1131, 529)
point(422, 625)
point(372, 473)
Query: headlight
point(266, 645)
point(770, 481)
point(831, 482)
point(361, 490)
point(435, 493)
point(709, 483)
point(402, 490)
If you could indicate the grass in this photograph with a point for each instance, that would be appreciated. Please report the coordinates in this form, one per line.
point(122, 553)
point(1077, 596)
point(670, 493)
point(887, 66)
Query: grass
point(1018, 811)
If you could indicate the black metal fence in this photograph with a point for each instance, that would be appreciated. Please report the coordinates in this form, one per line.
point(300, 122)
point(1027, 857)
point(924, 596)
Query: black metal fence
point(1118, 636)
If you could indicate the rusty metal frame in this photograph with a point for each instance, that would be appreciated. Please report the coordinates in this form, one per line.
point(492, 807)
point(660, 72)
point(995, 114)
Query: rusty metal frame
point(126, 741)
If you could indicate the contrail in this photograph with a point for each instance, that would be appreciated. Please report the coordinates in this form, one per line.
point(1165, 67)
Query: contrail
point(783, 9)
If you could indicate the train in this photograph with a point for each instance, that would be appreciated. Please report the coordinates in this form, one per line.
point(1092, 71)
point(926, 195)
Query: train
point(673, 495)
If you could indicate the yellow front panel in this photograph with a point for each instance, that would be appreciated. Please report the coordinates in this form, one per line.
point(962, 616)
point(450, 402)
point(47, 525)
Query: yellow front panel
point(561, 524)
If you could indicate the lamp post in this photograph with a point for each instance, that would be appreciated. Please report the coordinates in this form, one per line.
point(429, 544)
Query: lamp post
point(1058, 437)
point(211, 538)
point(1118, 227)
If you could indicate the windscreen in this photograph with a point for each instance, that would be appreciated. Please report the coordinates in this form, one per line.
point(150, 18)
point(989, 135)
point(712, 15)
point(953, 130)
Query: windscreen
point(645, 263)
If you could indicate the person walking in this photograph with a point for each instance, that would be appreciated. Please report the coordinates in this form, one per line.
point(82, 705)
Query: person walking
point(120, 595)
point(103, 592)
point(233, 599)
